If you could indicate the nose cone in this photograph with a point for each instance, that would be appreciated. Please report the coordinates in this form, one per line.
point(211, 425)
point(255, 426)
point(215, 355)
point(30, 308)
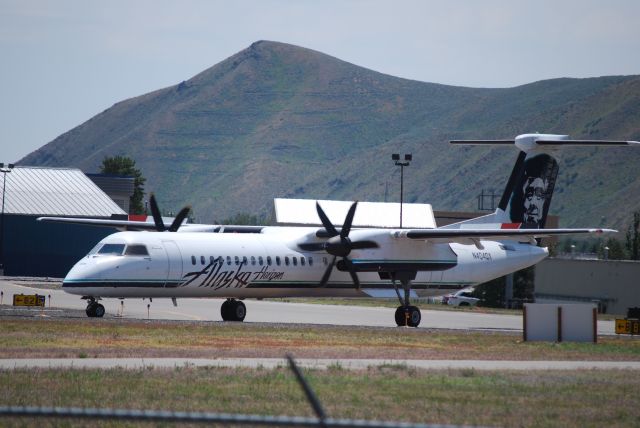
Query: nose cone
point(73, 278)
point(82, 274)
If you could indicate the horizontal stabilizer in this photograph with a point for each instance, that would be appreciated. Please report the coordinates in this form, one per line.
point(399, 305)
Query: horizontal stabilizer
point(542, 141)
point(577, 143)
point(483, 142)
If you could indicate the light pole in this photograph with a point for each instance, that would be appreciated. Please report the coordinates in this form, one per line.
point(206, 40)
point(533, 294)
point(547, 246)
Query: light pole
point(407, 158)
point(4, 186)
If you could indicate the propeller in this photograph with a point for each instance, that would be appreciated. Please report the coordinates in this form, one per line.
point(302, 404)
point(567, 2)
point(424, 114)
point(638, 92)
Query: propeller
point(157, 217)
point(339, 244)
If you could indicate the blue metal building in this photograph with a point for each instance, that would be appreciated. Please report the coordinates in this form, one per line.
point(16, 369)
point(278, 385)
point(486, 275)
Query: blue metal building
point(32, 248)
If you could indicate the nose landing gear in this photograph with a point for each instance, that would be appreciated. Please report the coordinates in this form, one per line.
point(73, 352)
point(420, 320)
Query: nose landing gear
point(94, 309)
point(233, 310)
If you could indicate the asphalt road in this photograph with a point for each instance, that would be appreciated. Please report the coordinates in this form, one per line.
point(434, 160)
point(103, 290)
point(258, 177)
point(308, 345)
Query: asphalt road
point(280, 312)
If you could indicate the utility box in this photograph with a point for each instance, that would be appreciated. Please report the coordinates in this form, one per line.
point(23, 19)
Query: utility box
point(560, 322)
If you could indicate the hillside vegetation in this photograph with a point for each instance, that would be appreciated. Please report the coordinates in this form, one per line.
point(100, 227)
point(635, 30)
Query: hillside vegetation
point(277, 120)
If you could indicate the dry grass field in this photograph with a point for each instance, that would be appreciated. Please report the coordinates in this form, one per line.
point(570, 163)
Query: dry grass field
point(544, 399)
point(65, 338)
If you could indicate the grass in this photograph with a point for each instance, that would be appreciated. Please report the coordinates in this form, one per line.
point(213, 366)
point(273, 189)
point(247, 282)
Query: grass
point(556, 398)
point(89, 338)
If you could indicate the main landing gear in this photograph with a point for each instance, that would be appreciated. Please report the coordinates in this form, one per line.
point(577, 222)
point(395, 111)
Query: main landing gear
point(406, 315)
point(94, 309)
point(233, 310)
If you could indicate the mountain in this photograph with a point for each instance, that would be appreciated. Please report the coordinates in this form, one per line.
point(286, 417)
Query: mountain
point(277, 120)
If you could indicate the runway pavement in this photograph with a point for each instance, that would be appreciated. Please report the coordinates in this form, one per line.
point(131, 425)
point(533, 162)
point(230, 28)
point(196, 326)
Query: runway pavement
point(350, 364)
point(280, 312)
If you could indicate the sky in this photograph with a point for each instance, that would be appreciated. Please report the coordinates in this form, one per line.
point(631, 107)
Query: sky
point(64, 61)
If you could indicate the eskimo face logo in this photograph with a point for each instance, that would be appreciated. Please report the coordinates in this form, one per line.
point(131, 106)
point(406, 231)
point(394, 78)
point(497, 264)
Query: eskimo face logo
point(535, 192)
point(532, 196)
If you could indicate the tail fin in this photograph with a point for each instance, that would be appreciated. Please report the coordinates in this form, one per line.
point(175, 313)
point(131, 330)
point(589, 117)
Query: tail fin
point(527, 196)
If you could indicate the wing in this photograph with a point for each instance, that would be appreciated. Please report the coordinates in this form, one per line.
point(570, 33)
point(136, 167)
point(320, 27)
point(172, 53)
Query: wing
point(118, 224)
point(151, 227)
point(474, 235)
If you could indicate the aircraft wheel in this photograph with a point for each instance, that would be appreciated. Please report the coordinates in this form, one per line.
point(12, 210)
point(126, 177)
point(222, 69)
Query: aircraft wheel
point(98, 310)
point(414, 316)
point(91, 310)
point(239, 311)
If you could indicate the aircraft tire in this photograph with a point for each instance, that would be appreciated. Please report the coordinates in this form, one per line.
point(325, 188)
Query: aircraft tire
point(400, 322)
point(224, 310)
point(91, 310)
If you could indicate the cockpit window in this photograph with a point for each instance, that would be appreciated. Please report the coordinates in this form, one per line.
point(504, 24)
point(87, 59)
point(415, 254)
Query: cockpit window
point(95, 249)
point(111, 249)
point(136, 250)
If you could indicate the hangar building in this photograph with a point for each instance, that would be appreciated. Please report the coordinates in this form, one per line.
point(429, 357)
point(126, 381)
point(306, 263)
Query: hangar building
point(613, 285)
point(32, 248)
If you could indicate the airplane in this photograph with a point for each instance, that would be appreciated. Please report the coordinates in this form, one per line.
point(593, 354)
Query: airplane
point(335, 260)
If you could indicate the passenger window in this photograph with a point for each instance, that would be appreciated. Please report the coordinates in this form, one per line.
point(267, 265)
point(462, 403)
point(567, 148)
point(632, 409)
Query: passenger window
point(295, 261)
point(253, 261)
point(201, 260)
point(228, 260)
point(211, 260)
point(244, 260)
point(260, 260)
point(278, 260)
point(286, 261)
point(193, 260)
point(237, 259)
point(269, 260)
point(310, 261)
point(112, 249)
point(301, 261)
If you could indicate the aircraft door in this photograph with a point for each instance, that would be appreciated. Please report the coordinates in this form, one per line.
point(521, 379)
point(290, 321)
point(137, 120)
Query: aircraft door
point(174, 260)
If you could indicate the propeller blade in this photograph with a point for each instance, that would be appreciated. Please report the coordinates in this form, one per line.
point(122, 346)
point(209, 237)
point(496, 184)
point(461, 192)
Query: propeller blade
point(177, 222)
point(354, 277)
point(155, 212)
point(346, 227)
point(364, 245)
point(325, 221)
point(327, 272)
point(311, 246)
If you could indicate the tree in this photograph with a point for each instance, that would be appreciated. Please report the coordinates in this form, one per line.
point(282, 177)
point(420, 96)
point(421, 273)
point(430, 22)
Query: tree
point(246, 219)
point(123, 165)
point(493, 293)
point(633, 237)
point(616, 249)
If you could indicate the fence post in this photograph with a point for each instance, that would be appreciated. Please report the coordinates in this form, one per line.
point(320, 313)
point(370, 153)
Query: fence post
point(311, 396)
point(559, 323)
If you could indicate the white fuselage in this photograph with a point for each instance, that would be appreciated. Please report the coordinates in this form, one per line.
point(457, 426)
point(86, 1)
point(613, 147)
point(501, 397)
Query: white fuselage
point(270, 264)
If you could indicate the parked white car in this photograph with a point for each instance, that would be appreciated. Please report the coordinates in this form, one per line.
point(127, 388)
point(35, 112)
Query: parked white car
point(461, 298)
